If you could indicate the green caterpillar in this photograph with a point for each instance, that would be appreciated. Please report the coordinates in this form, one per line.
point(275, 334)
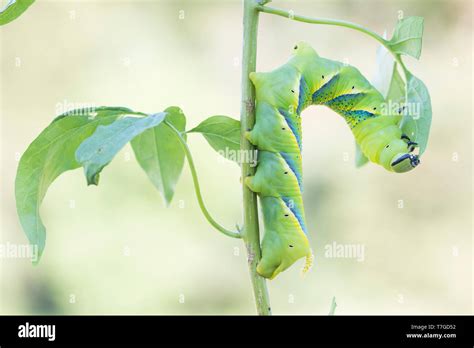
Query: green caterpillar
point(281, 95)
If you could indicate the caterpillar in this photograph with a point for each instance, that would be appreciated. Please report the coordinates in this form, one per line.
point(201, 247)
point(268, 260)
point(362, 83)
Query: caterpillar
point(281, 95)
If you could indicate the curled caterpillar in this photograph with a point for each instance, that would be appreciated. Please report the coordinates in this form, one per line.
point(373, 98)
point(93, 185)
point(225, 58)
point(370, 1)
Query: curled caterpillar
point(281, 95)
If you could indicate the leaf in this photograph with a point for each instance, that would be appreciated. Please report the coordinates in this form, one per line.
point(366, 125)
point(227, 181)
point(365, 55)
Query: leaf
point(387, 79)
point(416, 122)
point(13, 9)
point(384, 70)
point(48, 156)
point(100, 148)
point(160, 153)
point(396, 90)
point(407, 37)
point(222, 133)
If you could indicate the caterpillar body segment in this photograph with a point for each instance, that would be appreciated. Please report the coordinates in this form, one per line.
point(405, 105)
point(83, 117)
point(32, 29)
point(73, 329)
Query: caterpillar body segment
point(281, 95)
point(284, 241)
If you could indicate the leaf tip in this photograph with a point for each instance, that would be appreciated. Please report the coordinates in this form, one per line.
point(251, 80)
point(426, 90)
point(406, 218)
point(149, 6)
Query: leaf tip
point(35, 262)
point(37, 252)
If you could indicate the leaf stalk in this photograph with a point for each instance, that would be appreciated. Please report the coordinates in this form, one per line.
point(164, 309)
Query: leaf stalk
point(335, 22)
point(197, 187)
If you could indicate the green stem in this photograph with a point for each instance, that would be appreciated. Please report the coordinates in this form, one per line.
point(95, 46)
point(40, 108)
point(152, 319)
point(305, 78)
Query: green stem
point(332, 309)
point(251, 234)
point(339, 23)
point(197, 188)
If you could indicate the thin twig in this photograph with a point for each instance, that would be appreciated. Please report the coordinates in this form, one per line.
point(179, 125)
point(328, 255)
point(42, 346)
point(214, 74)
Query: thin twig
point(335, 22)
point(197, 188)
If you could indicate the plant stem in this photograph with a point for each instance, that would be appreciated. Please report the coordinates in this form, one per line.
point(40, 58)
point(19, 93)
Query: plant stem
point(336, 22)
point(197, 188)
point(340, 23)
point(251, 234)
point(332, 310)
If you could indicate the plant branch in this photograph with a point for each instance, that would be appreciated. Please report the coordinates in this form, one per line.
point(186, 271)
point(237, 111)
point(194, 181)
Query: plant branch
point(197, 188)
point(335, 22)
point(251, 233)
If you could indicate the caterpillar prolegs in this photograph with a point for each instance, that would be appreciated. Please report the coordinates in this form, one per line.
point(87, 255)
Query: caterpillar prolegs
point(281, 95)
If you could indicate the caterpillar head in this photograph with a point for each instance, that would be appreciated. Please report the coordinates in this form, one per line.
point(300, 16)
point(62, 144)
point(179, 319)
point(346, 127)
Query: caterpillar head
point(404, 162)
point(397, 156)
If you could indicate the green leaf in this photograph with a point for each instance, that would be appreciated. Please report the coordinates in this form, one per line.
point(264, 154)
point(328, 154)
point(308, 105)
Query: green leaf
point(396, 91)
point(222, 133)
point(101, 147)
point(387, 78)
point(416, 122)
point(160, 153)
point(395, 100)
point(13, 9)
point(48, 156)
point(384, 70)
point(407, 37)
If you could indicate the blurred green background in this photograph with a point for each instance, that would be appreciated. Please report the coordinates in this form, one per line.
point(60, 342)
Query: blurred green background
point(115, 248)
